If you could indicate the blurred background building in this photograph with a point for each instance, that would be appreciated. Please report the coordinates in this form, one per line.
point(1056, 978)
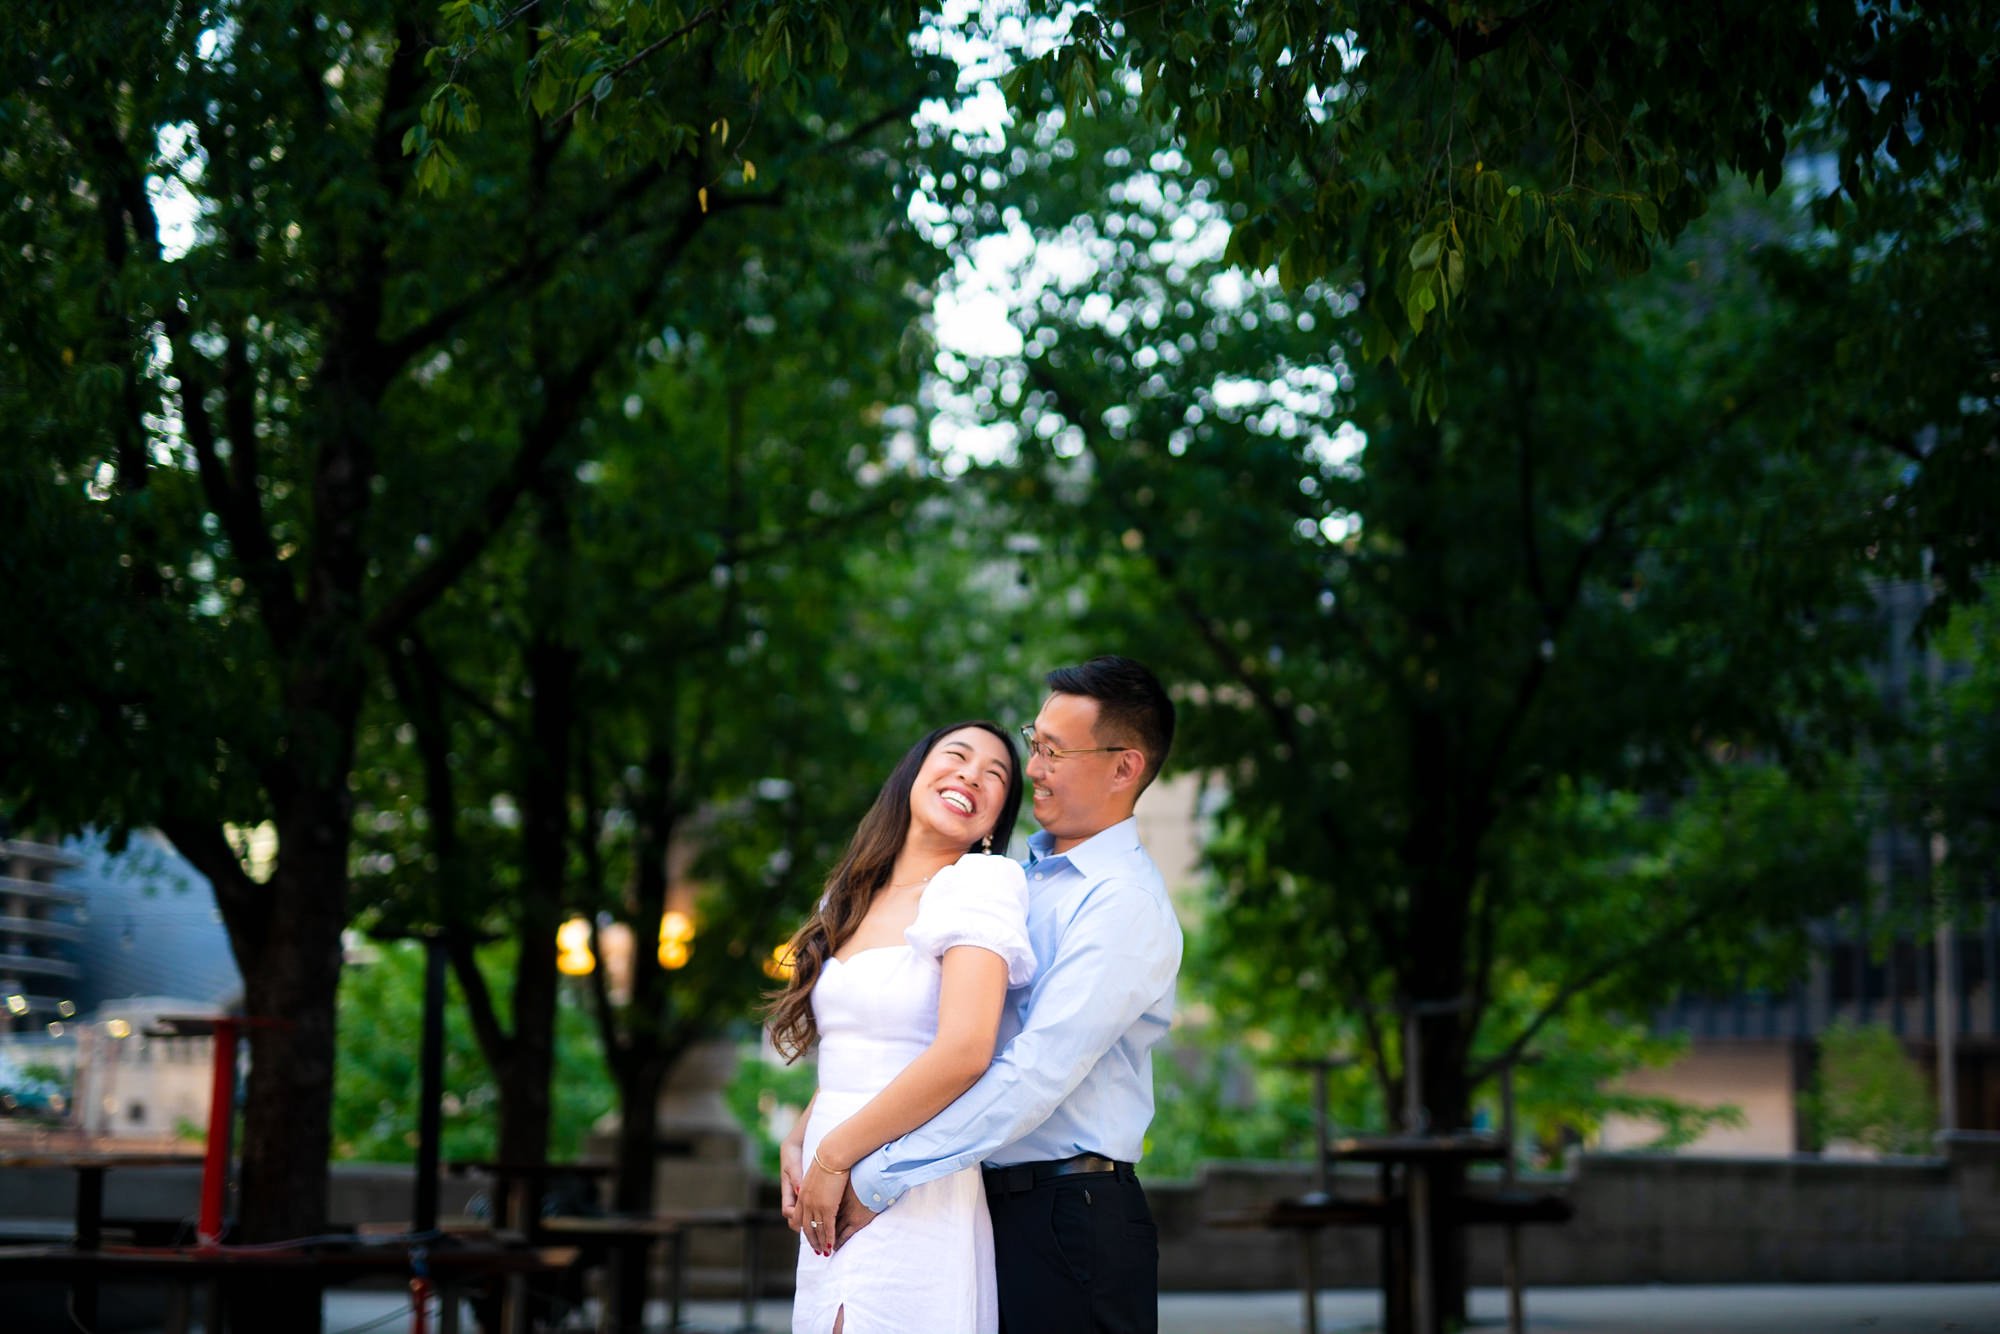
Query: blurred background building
point(1877, 964)
point(96, 946)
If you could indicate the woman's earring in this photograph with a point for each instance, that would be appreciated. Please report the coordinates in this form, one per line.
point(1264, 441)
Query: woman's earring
point(986, 844)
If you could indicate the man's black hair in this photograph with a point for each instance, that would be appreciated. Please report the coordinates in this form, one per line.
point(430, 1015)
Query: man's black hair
point(1132, 705)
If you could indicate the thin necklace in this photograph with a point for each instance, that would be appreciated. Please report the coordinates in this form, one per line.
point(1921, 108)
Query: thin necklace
point(908, 883)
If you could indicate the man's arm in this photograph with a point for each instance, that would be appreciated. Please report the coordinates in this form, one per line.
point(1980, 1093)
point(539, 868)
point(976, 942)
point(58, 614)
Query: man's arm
point(1118, 954)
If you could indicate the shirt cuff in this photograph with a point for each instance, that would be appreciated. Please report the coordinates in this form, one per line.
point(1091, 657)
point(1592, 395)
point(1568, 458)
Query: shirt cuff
point(871, 1183)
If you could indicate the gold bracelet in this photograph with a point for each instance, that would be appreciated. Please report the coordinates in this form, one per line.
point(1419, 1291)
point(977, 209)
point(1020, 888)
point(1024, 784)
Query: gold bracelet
point(820, 1163)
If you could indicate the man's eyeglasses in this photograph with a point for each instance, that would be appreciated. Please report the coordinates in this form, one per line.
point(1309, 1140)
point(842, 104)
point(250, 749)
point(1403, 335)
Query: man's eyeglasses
point(1036, 746)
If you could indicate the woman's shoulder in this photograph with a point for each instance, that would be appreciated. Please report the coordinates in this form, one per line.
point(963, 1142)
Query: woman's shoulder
point(986, 868)
point(980, 899)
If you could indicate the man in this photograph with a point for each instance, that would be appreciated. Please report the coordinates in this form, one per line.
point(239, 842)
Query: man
point(1060, 1116)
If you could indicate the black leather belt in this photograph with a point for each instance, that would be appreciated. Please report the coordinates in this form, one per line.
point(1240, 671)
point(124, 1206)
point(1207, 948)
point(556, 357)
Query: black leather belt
point(1017, 1177)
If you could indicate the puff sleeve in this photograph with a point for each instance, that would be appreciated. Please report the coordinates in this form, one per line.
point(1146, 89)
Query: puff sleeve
point(982, 900)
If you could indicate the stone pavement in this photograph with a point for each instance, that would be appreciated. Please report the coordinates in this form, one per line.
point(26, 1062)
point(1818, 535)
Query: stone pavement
point(1745, 1309)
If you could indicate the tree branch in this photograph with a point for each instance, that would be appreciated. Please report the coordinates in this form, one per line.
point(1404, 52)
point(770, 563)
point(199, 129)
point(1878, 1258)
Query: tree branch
point(1531, 553)
point(591, 852)
point(417, 680)
point(245, 907)
point(1593, 976)
point(708, 15)
point(886, 116)
point(1894, 443)
point(494, 1041)
point(1469, 41)
point(744, 552)
point(561, 406)
point(532, 268)
point(241, 514)
point(525, 271)
point(1485, 926)
point(1529, 684)
point(1233, 660)
point(732, 591)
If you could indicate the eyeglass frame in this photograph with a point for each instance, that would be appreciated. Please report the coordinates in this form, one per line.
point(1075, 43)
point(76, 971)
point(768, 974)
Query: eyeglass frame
point(1036, 746)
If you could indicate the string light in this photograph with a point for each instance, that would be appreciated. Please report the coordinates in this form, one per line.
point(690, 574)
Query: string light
point(573, 956)
point(778, 967)
point(676, 937)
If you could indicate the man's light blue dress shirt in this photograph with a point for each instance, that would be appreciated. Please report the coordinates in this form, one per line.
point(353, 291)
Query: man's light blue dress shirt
point(1073, 1073)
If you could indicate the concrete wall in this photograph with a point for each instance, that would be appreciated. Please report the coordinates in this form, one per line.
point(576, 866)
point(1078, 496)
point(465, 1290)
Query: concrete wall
point(1644, 1218)
point(1640, 1218)
point(358, 1192)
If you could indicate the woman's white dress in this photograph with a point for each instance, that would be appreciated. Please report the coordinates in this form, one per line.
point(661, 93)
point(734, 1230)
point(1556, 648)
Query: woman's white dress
point(925, 1266)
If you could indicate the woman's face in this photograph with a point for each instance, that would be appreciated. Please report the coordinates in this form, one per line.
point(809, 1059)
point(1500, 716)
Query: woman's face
point(959, 791)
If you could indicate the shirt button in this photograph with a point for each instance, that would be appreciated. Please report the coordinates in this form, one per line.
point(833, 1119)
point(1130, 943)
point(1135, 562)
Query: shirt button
point(878, 1199)
point(1040, 876)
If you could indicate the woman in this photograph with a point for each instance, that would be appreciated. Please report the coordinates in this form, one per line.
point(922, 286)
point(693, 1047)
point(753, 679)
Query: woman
point(900, 977)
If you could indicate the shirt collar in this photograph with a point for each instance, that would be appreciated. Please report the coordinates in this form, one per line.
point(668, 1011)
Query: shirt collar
point(1096, 855)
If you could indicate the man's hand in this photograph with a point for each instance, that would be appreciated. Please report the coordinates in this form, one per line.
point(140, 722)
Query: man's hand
point(854, 1215)
point(790, 1173)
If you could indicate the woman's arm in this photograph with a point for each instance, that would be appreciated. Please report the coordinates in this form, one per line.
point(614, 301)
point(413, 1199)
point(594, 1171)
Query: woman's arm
point(970, 997)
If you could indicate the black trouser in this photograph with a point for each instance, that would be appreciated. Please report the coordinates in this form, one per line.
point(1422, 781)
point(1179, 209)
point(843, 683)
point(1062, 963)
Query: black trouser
point(1076, 1254)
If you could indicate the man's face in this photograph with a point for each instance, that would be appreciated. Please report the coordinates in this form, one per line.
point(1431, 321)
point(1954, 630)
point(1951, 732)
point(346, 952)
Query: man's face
point(1077, 796)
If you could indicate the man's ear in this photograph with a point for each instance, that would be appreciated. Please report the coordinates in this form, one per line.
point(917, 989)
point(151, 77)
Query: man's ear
point(1131, 767)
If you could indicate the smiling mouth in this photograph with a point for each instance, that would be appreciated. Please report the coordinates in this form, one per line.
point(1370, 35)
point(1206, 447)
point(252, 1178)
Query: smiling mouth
point(958, 801)
point(1041, 792)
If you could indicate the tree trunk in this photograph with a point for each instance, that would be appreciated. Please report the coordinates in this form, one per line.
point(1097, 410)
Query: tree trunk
point(290, 979)
point(525, 1107)
point(639, 1083)
point(642, 1055)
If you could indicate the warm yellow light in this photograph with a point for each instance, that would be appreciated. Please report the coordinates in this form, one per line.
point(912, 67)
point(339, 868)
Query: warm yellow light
point(676, 935)
point(118, 1028)
point(573, 956)
point(18, 1004)
point(779, 966)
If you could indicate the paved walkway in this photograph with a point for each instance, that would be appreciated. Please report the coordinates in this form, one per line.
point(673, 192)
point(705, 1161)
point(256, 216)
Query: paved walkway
point(1873, 1309)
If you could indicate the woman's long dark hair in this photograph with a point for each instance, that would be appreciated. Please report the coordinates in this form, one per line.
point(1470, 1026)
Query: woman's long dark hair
point(863, 870)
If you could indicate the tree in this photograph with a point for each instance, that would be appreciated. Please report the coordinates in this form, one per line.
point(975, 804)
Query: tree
point(1425, 147)
point(376, 1075)
point(1951, 770)
point(1545, 703)
point(1866, 1090)
point(262, 433)
point(1402, 172)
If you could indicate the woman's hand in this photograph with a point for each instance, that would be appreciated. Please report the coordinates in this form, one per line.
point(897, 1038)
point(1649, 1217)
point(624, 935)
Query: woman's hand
point(789, 1174)
point(819, 1206)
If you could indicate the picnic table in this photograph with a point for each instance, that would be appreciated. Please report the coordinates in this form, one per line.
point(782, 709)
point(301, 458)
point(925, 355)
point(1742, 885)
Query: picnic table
point(91, 1168)
point(519, 1188)
point(1406, 1207)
